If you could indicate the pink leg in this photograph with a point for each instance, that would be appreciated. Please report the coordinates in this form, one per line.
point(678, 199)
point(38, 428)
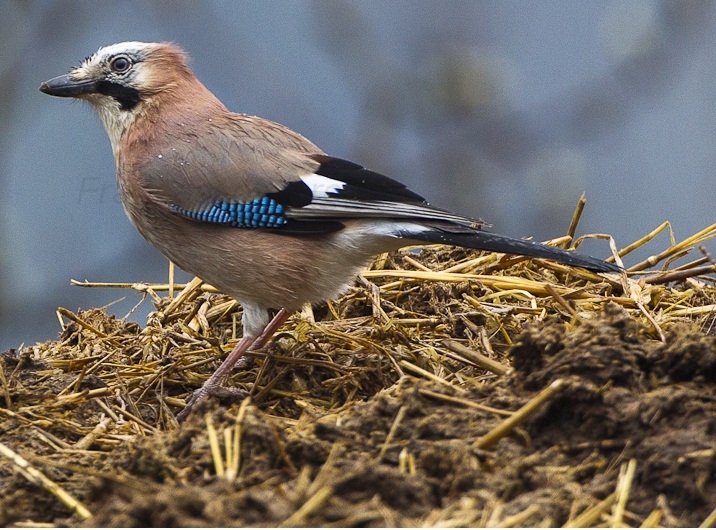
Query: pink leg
point(244, 363)
point(212, 386)
point(270, 329)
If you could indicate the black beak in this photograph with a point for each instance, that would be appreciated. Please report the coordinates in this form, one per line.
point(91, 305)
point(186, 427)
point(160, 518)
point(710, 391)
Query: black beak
point(64, 86)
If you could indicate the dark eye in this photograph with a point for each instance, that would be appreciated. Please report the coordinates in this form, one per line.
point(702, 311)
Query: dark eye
point(120, 64)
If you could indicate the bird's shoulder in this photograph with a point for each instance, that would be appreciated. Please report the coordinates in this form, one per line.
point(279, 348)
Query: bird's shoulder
point(260, 133)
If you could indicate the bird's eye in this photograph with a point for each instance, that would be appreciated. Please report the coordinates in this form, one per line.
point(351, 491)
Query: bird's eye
point(120, 64)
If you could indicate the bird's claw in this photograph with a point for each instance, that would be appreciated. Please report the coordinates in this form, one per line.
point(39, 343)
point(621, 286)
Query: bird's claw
point(218, 391)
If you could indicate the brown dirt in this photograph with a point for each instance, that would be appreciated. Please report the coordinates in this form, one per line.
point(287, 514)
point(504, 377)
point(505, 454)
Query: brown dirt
point(335, 436)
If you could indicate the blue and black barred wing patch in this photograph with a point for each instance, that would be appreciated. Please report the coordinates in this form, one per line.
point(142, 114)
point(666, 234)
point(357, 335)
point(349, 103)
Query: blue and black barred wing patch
point(266, 213)
point(260, 213)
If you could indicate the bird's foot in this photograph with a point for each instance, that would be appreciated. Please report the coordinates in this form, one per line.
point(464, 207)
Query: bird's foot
point(235, 360)
point(210, 390)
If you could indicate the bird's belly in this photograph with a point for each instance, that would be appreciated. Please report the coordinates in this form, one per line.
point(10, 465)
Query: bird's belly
point(257, 267)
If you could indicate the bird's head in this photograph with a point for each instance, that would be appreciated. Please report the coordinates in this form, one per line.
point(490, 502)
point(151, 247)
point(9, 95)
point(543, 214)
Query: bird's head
point(123, 80)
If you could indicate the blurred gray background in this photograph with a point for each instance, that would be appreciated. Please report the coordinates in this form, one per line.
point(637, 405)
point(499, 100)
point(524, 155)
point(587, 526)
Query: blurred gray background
point(505, 110)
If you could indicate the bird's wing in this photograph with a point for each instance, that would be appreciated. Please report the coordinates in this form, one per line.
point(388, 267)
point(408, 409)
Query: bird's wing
point(252, 173)
point(344, 190)
point(269, 178)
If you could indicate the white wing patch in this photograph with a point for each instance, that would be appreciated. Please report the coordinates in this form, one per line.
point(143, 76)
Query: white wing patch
point(321, 186)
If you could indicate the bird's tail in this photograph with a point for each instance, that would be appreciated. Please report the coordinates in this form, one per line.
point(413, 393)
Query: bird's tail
point(481, 240)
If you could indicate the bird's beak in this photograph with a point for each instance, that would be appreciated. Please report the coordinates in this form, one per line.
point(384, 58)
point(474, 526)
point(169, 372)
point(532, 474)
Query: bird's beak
point(64, 86)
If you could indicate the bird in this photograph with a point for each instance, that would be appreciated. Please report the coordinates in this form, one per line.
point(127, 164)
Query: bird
point(248, 205)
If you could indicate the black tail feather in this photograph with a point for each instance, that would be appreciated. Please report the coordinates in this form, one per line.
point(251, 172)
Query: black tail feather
point(496, 243)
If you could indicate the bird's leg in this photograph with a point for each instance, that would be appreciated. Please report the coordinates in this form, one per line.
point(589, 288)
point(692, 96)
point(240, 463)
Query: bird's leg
point(244, 363)
point(270, 329)
point(212, 386)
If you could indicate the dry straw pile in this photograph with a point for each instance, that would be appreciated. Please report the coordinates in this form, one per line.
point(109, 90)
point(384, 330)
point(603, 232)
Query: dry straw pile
point(404, 382)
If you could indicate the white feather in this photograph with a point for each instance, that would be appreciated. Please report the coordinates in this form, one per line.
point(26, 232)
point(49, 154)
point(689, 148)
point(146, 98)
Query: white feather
point(321, 186)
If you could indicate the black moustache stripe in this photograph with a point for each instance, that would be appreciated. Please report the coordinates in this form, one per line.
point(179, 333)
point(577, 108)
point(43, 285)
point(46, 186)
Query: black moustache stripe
point(126, 96)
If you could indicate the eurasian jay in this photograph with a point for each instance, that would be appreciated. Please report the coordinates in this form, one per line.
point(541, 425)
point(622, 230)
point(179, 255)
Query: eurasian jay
point(248, 205)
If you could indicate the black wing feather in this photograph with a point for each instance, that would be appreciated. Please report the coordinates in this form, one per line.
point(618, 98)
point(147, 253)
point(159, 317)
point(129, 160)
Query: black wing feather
point(363, 184)
point(296, 195)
